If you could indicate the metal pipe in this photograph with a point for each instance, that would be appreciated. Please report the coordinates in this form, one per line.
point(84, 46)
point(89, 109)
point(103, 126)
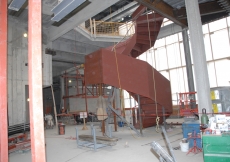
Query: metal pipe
point(86, 104)
point(91, 27)
point(3, 83)
point(169, 144)
point(66, 92)
point(139, 110)
point(115, 118)
point(77, 81)
point(163, 111)
point(94, 26)
point(103, 121)
point(35, 82)
point(55, 109)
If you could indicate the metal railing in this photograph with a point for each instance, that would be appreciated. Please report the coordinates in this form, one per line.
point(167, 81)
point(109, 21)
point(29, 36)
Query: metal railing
point(100, 28)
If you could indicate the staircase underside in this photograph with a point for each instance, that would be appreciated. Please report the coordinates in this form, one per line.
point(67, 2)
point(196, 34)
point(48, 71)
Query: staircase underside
point(135, 76)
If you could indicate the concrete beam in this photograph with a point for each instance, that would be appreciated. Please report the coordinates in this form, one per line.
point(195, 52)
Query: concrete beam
point(89, 11)
point(169, 30)
point(120, 11)
point(70, 46)
point(99, 38)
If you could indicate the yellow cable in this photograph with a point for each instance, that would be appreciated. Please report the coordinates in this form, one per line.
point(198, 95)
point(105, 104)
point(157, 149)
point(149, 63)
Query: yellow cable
point(154, 84)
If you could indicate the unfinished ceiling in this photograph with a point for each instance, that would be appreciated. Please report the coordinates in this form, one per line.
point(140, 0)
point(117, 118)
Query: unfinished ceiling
point(71, 46)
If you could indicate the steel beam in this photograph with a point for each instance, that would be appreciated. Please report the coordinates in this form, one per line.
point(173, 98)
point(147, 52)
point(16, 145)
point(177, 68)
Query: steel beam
point(163, 9)
point(140, 113)
point(138, 12)
point(205, 9)
point(188, 61)
point(128, 7)
point(35, 82)
point(3, 83)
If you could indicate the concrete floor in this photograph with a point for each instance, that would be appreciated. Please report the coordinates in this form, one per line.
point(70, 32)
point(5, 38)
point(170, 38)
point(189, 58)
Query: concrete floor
point(61, 148)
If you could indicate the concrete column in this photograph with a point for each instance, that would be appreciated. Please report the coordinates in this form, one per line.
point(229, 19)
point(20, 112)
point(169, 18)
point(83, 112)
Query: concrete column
point(199, 58)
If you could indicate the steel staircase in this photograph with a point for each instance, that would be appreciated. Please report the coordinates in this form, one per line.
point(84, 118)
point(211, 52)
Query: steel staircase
point(114, 66)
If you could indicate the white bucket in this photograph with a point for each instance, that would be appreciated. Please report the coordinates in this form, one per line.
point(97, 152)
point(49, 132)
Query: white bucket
point(184, 147)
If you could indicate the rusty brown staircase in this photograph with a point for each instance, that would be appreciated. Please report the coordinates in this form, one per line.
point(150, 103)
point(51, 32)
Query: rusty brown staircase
point(118, 66)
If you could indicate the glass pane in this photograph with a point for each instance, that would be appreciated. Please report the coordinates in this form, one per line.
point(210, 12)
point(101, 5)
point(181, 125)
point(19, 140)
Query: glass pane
point(173, 53)
point(220, 44)
point(208, 49)
point(161, 59)
point(165, 74)
point(205, 29)
point(217, 25)
point(182, 54)
point(177, 80)
point(126, 94)
point(150, 57)
point(223, 75)
point(171, 39)
point(143, 57)
point(127, 103)
point(180, 36)
point(159, 43)
point(175, 98)
point(228, 19)
point(185, 79)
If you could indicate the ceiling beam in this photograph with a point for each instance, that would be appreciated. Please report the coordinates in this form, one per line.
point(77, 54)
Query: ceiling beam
point(67, 61)
point(169, 30)
point(120, 11)
point(163, 9)
point(81, 16)
point(205, 9)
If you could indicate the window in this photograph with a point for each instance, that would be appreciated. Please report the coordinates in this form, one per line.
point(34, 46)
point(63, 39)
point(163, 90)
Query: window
point(220, 44)
point(173, 53)
point(161, 59)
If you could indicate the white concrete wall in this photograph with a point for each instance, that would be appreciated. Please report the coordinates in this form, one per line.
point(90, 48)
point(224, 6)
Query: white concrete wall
point(18, 72)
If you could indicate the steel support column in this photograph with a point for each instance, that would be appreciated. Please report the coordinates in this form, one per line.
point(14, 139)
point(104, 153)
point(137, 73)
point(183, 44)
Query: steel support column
point(140, 113)
point(62, 82)
point(199, 58)
point(117, 98)
point(3, 83)
point(188, 61)
point(35, 82)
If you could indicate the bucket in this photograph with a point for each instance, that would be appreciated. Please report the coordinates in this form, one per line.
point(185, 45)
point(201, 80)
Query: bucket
point(184, 140)
point(184, 147)
point(61, 129)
